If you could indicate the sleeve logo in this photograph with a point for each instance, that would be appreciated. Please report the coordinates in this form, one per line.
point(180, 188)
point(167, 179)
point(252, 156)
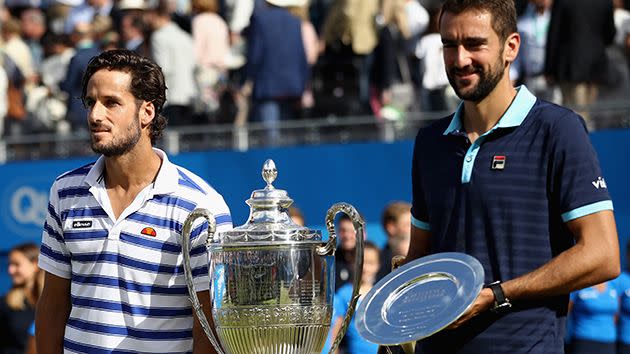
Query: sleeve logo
point(599, 183)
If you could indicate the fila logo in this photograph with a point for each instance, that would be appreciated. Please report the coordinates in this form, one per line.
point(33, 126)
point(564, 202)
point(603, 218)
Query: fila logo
point(498, 162)
point(599, 183)
point(149, 231)
point(82, 224)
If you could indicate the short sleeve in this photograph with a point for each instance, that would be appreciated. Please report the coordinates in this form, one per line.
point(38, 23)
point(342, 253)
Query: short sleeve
point(199, 234)
point(579, 187)
point(419, 213)
point(341, 301)
point(54, 255)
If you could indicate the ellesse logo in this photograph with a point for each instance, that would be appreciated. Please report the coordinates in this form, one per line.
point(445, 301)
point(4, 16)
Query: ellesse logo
point(81, 224)
point(149, 231)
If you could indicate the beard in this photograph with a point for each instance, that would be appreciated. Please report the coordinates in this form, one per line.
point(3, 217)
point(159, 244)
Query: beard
point(488, 80)
point(120, 145)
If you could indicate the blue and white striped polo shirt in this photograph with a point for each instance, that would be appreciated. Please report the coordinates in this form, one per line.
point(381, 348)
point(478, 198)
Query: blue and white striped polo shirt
point(128, 289)
point(505, 199)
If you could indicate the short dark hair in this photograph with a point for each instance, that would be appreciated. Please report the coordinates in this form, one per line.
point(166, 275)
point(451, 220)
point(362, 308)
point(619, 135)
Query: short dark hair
point(393, 211)
point(503, 13)
point(147, 81)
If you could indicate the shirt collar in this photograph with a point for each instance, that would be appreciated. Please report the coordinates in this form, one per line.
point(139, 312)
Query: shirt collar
point(165, 183)
point(513, 117)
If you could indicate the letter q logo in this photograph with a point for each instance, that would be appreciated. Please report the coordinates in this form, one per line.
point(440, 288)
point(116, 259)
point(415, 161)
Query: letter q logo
point(28, 206)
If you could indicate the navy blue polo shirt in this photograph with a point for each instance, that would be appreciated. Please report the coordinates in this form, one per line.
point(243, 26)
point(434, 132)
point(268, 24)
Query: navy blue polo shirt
point(505, 200)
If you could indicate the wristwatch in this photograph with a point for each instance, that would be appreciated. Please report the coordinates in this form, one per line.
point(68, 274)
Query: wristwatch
point(501, 303)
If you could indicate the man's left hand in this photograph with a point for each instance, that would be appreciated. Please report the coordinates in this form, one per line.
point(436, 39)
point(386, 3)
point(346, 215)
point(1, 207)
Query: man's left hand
point(483, 303)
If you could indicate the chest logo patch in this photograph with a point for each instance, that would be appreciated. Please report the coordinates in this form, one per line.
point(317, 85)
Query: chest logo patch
point(82, 224)
point(149, 231)
point(498, 162)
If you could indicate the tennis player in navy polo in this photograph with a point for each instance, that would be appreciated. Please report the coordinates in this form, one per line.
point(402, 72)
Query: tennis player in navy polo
point(513, 181)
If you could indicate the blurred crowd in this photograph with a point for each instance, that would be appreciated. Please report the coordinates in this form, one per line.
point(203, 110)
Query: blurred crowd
point(238, 61)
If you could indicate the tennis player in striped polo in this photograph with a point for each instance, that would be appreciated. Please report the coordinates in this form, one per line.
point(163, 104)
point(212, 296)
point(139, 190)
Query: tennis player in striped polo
point(111, 241)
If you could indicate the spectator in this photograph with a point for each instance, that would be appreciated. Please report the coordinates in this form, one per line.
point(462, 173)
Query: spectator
point(4, 86)
point(168, 43)
point(17, 307)
point(296, 215)
point(276, 68)
point(86, 48)
point(391, 74)
point(434, 80)
point(579, 32)
point(623, 320)
point(59, 51)
point(344, 256)
point(592, 314)
point(353, 343)
point(33, 29)
point(529, 67)
point(89, 9)
point(18, 50)
point(311, 49)
point(396, 221)
point(349, 28)
point(211, 49)
point(132, 33)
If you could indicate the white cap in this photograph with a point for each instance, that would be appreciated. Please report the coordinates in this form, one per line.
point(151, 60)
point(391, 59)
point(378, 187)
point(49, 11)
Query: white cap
point(132, 5)
point(287, 3)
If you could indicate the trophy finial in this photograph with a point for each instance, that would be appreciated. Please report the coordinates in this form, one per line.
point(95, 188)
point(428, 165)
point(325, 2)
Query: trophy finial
point(269, 172)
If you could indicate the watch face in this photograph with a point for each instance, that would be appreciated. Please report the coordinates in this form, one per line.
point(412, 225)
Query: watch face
point(419, 299)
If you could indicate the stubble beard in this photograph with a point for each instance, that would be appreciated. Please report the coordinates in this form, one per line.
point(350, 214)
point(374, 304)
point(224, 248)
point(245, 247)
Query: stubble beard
point(488, 80)
point(120, 147)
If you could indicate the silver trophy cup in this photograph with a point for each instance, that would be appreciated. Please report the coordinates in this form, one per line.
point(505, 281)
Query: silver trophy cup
point(271, 280)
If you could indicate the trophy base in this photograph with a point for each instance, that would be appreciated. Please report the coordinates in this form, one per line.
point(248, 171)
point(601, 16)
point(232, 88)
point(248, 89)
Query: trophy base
point(288, 339)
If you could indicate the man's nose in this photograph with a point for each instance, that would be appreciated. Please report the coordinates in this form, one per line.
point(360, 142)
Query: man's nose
point(96, 112)
point(462, 57)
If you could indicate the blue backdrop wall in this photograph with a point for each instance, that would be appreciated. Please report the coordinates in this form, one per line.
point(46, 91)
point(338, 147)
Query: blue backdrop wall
point(367, 176)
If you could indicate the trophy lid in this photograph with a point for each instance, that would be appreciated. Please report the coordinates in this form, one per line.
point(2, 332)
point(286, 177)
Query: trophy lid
point(269, 221)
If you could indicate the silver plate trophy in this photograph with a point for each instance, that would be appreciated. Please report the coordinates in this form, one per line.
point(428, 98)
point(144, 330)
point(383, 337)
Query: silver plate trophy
point(271, 280)
point(419, 299)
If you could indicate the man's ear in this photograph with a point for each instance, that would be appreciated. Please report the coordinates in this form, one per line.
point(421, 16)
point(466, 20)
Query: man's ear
point(147, 113)
point(512, 46)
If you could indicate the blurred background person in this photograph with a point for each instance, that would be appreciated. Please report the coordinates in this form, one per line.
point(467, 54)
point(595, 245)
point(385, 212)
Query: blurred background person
point(85, 48)
point(352, 342)
point(132, 33)
point(17, 307)
point(349, 34)
point(310, 42)
point(33, 29)
point(396, 222)
point(211, 47)
point(391, 74)
point(579, 32)
point(592, 313)
point(173, 50)
point(429, 52)
point(344, 255)
point(529, 67)
point(296, 215)
point(623, 319)
point(276, 69)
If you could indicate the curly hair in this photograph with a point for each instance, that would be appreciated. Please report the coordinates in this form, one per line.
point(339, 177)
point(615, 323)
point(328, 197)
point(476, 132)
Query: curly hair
point(147, 81)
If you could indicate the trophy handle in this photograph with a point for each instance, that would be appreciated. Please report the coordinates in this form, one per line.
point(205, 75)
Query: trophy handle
point(212, 227)
point(330, 248)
